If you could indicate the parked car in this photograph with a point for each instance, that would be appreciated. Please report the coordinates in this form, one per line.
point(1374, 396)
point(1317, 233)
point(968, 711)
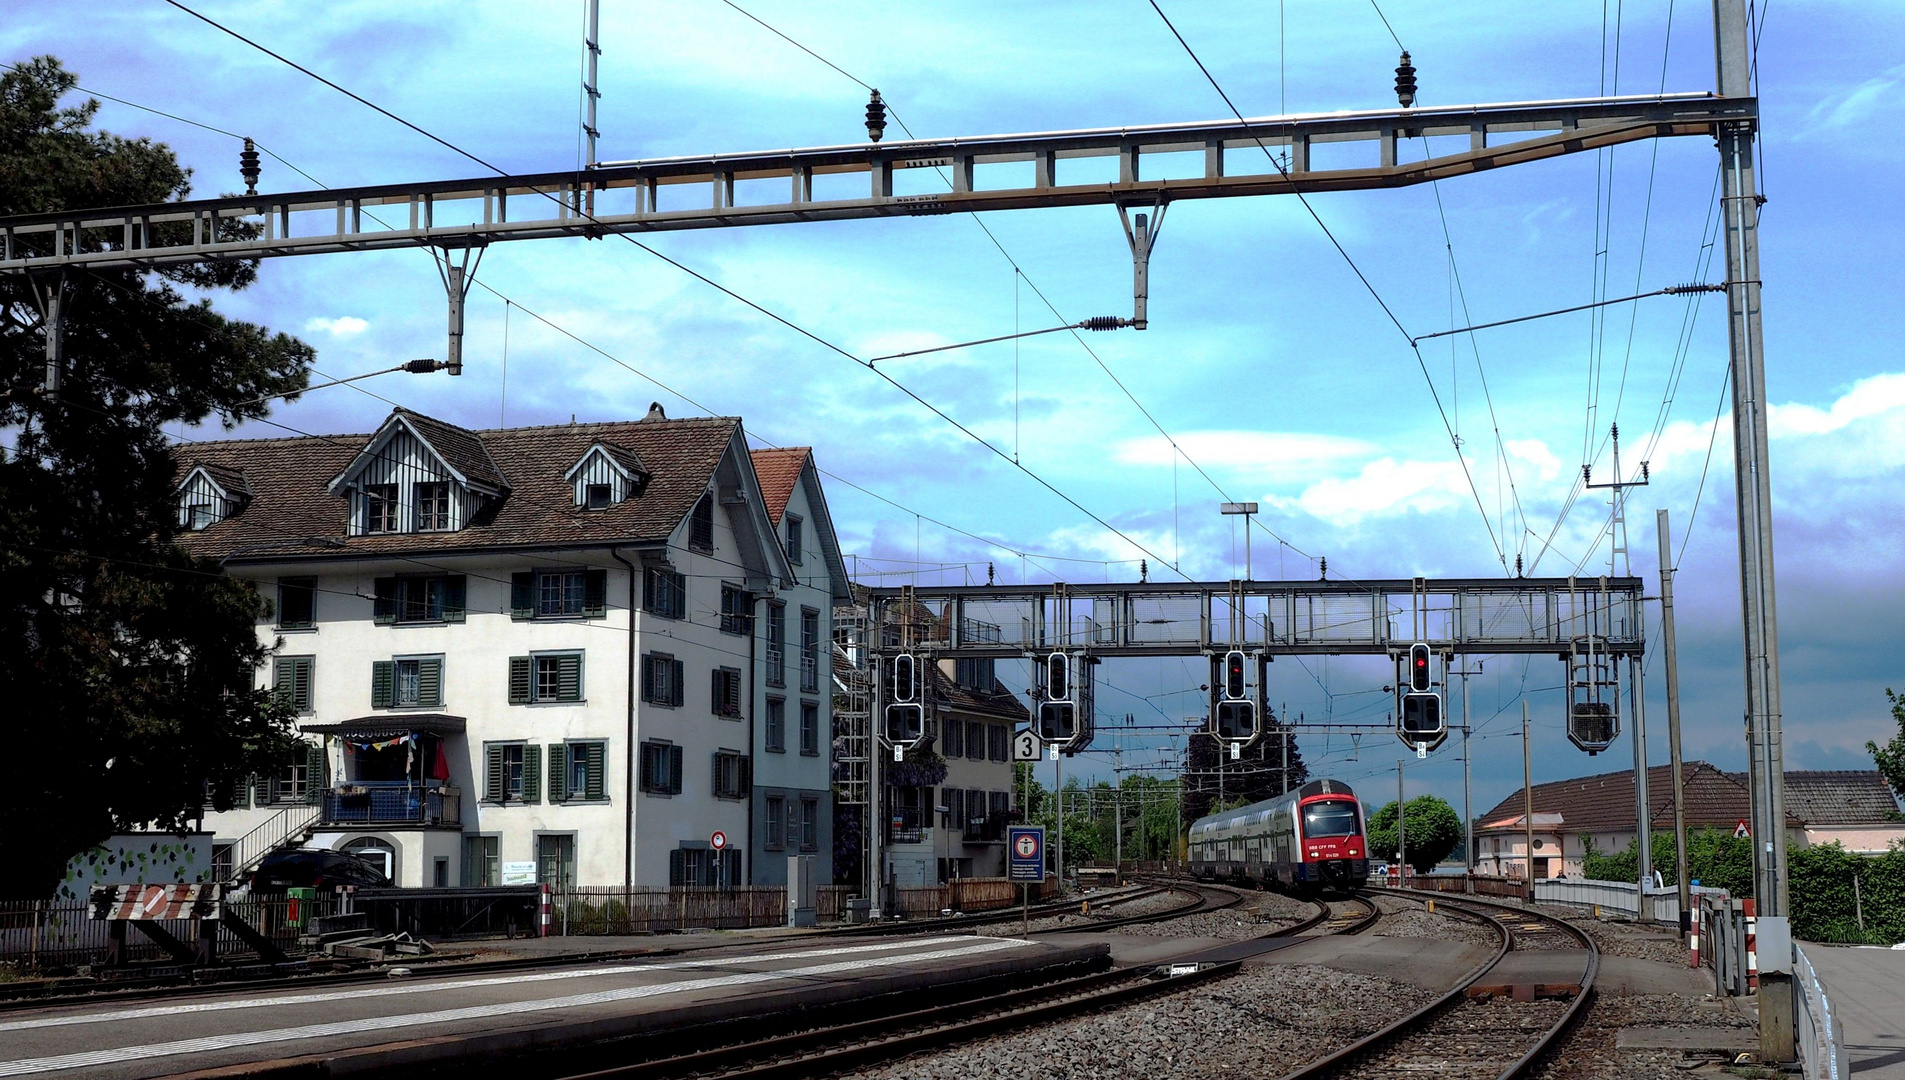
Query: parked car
point(313, 868)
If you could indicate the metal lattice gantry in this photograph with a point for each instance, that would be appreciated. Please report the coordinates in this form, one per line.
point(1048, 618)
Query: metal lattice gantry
point(1157, 163)
point(1291, 618)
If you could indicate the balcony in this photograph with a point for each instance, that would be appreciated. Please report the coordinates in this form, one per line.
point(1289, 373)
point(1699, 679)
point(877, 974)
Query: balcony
point(392, 802)
point(909, 825)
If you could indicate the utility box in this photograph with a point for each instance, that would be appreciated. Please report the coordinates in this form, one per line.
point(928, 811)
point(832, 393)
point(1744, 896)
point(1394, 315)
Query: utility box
point(803, 905)
point(300, 907)
point(859, 909)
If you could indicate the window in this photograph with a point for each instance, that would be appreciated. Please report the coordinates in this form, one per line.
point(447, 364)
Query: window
point(809, 824)
point(381, 509)
point(954, 740)
point(793, 539)
point(975, 740)
point(482, 861)
point(407, 682)
point(291, 680)
point(545, 677)
point(725, 698)
point(777, 724)
point(776, 644)
point(555, 860)
point(735, 616)
point(661, 679)
point(376, 852)
point(974, 825)
point(415, 599)
point(776, 823)
point(295, 603)
point(292, 784)
point(512, 773)
point(198, 516)
point(576, 771)
point(598, 496)
point(701, 528)
point(433, 504)
point(559, 594)
point(997, 740)
point(810, 650)
point(661, 768)
point(731, 774)
point(703, 867)
point(810, 729)
point(974, 675)
point(665, 593)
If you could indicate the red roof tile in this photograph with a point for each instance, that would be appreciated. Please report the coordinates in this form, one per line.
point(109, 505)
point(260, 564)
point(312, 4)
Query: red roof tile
point(1605, 802)
point(779, 470)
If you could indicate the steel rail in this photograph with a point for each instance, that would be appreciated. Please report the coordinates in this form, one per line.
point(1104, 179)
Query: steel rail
point(1392, 1033)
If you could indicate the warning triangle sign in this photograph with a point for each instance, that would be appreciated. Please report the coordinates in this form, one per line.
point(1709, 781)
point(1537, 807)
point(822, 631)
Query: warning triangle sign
point(1741, 832)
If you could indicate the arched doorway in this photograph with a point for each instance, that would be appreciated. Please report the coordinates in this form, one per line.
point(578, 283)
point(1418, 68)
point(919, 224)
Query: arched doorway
point(375, 851)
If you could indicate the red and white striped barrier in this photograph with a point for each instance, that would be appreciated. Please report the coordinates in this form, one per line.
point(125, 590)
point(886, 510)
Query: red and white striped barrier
point(547, 914)
point(1693, 939)
point(1752, 945)
point(143, 903)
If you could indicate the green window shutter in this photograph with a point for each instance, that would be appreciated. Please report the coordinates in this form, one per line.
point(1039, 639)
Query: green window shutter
point(532, 773)
point(314, 779)
point(384, 606)
point(301, 683)
point(680, 676)
point(714, 784)
point(430, 681)
point(522, 595)
point(493, 774)
point(595, 753)
point(648, 767)
point(558, 772)
point(648, 677)
point(595, 593)
point(674, 770)
point(680, 605)
point(519, 676)
point(455, 597)
point(569, 678)
point(381, 672)
point(283, 680)
point(747, 776)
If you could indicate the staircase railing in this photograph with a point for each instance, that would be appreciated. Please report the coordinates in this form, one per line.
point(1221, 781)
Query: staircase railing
point(250, 849)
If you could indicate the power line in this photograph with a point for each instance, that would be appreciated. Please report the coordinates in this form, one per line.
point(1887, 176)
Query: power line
point(703, 278)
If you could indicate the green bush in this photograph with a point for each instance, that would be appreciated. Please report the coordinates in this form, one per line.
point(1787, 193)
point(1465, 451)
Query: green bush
point(1715, 858)
point(582, 917)
point(1824, 907)
point(615, 917)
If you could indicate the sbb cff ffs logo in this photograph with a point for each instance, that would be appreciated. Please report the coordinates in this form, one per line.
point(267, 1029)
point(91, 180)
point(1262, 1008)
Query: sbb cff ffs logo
point(1419, 720)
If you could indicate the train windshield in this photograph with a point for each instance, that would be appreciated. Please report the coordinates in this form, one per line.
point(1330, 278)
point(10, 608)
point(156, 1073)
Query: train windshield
point(1334, 818)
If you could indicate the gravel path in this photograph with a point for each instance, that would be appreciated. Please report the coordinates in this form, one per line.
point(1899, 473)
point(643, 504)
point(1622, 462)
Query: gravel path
point(1407, 918)
point(1257, 914)
point(1588, 1052)
point(1276, 1018)
point(1476, 1038)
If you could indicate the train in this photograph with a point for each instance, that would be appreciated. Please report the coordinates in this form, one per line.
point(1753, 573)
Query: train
point(1309, 840)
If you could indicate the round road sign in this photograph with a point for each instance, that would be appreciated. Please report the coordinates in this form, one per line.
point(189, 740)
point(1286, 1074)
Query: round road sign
point(719, 840)
point(1026, 846)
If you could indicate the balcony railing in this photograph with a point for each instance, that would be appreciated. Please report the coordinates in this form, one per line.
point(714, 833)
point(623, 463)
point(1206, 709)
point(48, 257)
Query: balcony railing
point(391, 802)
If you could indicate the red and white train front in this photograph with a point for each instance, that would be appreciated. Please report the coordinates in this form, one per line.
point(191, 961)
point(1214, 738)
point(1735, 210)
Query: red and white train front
point(1330, 845)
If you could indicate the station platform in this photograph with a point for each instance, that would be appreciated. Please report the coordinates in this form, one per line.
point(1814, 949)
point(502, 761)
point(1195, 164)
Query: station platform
point(436, 1018)
point(1867, 989)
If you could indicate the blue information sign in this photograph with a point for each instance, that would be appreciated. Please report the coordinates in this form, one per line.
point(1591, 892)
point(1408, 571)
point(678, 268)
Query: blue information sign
point(1025, 853)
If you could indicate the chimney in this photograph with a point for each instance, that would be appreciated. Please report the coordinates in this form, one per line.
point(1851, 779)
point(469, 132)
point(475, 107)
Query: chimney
point(655, 412)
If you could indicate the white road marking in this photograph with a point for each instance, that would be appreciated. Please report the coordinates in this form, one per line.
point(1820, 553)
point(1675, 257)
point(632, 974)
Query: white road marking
point(119, 1055)
point(458, 984)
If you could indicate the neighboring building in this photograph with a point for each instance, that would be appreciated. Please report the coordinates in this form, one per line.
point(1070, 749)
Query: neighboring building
point(1600, 810)
point(1855, 808)
point(793, 800)
point(521, 652)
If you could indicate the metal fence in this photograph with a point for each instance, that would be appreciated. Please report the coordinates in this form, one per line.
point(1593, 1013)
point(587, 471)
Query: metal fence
point(45, 935)
point(1821, 1042)
point(1662, 905)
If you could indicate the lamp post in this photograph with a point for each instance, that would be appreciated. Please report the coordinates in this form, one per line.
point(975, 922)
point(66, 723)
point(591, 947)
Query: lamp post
point(1246, 509)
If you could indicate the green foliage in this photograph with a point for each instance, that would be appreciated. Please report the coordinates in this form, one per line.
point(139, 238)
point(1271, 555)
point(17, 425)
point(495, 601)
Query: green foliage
point(1434, 831)
point(1715, 858)
point(129, 665)
point(1890, 758)
point(1824, 907)
point(1151, 817)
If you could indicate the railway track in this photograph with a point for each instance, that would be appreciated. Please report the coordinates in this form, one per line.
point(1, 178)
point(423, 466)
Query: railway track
point(1481, 1028)
point(832, 1048)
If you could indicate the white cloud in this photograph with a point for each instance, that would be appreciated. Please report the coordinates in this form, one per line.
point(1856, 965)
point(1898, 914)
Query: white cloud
point(1384, 487)
point(1857, 104)
point(1272, 452)
point(342, 326)
point(1868, 397)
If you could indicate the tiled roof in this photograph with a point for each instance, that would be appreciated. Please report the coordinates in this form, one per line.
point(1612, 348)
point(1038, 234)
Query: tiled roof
point(1841, 797)
point(460, 448)
point(998, 701)
point(779, 470)
point(290, 499)
point(1605, 802)
point(232, 480)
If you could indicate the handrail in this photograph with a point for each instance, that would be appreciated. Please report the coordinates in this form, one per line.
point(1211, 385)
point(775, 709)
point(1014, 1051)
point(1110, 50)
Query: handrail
point(268, 836)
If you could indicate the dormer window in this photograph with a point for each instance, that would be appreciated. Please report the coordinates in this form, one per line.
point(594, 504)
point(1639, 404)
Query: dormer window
point(433, 505)
point(605, 476)
point(599, 496)
point(209, 495)
point(198, 516)
point(382, 511)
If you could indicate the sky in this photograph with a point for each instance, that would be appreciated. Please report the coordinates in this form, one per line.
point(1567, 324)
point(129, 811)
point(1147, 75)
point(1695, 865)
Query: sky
point(1271, 367)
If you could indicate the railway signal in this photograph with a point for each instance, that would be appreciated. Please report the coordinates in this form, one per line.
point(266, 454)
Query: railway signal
point(1234, 675)
point(905, 678)
point(1419, 719)
point(1419, 668)
point(905, 713)
point(1233, 714)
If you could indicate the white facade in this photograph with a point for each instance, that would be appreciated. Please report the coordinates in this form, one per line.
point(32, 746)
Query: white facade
point(562, 664)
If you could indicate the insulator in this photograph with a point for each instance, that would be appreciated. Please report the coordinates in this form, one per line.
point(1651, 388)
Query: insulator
point(248, 167)
point(1692, 287)
point(1406, 82)
point(1104, 322)
point(876, 117)
point(423, 367)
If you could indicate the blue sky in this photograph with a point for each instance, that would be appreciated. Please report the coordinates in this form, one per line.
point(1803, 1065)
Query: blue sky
point(1266, 360)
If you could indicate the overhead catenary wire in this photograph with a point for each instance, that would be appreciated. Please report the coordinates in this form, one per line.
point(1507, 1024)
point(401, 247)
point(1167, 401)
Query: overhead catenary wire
point(704, 279)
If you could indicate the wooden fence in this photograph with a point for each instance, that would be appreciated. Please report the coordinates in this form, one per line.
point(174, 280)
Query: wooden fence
point(611, 909)
point(966, 894)
point(1485, 885)
point(50, 936)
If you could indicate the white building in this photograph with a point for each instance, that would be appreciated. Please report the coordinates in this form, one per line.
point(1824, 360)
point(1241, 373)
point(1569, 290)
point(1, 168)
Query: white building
point(544, 647)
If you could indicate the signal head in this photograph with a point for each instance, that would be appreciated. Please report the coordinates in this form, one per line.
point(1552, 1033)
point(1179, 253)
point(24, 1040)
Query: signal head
point(1058, 677)
point(905, 678)
point(1419, 667)
point(1234, 675)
